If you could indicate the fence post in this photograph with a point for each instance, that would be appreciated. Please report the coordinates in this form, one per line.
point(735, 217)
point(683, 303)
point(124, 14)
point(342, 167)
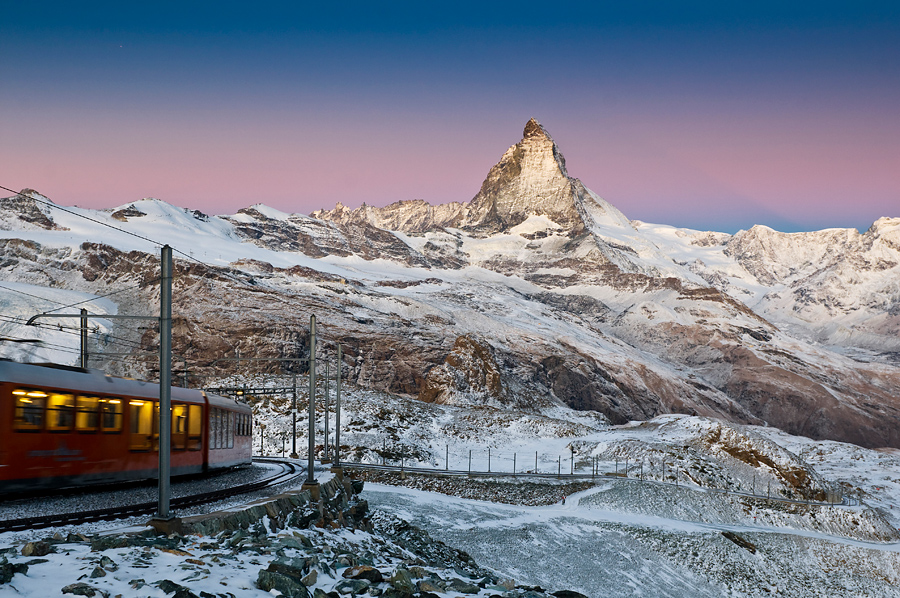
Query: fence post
point(626, 467)
point(558, 466)
point(489, 459)
point(535, 462)
point(470, 461)
point(447, 458)
point(514, 465)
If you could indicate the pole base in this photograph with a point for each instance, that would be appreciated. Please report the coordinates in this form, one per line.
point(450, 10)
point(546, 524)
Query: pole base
point(295, 456)
point(324, 460)
point(313, 488)
point(167, 525)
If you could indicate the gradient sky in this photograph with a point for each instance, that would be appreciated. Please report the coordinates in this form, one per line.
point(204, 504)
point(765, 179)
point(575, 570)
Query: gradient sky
point(714, 115)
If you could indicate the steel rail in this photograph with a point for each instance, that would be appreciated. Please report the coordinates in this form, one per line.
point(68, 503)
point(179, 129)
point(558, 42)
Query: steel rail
point(289, 471)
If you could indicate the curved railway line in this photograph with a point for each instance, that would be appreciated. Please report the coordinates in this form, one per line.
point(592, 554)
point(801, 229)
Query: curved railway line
point(289, 471)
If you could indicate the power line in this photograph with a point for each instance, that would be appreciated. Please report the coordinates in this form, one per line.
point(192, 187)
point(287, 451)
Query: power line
point(94, 220)
point(67, 329)
point(221, 270)
point(136, 286)
point(5, 288)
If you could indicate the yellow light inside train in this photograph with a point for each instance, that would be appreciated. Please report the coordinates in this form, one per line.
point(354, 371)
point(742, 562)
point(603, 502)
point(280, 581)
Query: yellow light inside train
point(136, 403)
point(37, 393)
point(24, 400)
point(115, 401)
point(20, 393)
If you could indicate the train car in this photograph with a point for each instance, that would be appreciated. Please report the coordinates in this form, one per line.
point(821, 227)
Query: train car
point(65, 426)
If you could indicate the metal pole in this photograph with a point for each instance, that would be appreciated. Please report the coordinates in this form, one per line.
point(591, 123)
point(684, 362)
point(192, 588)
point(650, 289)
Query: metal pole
point(165, 380)
point(310, 479)
point(514, 465)
point(447, 458)
point(470, 461)
point(294, 454)
point(489, 459)
point(337, 411)
point(558, 465)
point(535, 462)
point(84, 333)
point(327, 375)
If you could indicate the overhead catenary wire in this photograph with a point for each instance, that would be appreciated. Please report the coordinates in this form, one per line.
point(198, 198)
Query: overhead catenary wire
point(65, 329)
point(185, 255)
point(222, 271)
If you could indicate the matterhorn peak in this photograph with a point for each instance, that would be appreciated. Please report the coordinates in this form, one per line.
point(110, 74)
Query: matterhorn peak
point(529, 180)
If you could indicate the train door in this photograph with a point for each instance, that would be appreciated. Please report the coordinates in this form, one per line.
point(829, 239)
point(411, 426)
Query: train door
point(143, 425)
point(179, 426)
point(195, 428)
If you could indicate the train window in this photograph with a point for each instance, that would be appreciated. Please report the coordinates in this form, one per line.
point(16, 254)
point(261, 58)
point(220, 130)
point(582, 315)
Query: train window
point(195, 428)
point(213, 428)
point(111, 415)
point(179, 426)
point(86, 415)
point(60, 412)
point(29, 414)
point(141, 425)
point(228, 437)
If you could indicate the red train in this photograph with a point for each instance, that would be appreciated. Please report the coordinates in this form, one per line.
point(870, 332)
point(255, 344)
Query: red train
point(63, 426)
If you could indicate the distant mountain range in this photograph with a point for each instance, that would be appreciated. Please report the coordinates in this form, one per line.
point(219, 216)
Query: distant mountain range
point(537, 293)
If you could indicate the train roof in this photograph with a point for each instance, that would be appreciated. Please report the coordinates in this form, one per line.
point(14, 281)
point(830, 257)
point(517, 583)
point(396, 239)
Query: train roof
point(227, 402)
point(87, 380)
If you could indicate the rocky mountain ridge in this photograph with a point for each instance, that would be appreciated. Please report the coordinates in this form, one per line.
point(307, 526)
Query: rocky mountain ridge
point(535, 294)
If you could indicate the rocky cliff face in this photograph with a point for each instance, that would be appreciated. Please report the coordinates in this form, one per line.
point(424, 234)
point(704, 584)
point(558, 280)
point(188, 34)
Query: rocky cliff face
point(536, 294)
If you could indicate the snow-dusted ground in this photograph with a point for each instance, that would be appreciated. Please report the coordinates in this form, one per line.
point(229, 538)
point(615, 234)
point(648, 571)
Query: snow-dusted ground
point(622, 537)
point(610, 551)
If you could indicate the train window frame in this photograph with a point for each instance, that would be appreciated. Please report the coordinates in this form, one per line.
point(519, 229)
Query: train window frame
point(80, 414)
point(30, 402)
point(117, 412)
point(55, 415)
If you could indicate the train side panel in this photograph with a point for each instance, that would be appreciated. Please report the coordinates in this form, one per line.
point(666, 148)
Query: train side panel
point(63, 427)
point(228, 433)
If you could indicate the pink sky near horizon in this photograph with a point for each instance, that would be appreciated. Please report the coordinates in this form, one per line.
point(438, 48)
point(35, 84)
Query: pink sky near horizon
point(651, 168)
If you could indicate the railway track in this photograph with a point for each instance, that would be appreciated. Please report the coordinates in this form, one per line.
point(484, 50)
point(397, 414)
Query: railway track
point(289, 471)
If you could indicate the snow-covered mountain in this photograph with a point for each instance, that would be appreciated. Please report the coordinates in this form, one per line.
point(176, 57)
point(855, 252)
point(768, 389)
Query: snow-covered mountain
point(535, 294)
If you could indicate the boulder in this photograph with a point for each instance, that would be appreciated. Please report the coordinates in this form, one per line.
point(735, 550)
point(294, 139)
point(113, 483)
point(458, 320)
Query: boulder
point(268, 581)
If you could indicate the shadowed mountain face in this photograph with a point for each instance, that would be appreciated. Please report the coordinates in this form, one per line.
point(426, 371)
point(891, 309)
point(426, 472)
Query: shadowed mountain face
point(537, 293)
